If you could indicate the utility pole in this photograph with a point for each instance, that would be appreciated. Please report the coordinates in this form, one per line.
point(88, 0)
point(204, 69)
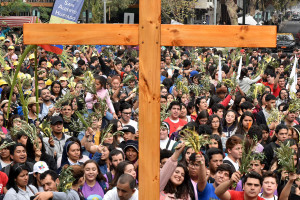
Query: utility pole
point(215, 12)
point(104, 13)
point(244, 12)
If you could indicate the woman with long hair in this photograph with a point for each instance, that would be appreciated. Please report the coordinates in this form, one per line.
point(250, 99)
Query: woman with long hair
point(17, 185)
point(183, 113)
point(283, 97)
point(266, 139)
point(230, 123)
point(35, 155)
point(246, 121)
point(174, 181)
point(124, 167)
point(94, 180)
point(215, 124)
point(56, 91)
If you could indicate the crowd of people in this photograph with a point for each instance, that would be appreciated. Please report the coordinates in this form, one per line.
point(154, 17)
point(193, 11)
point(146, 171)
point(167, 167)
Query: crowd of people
point(85, 121)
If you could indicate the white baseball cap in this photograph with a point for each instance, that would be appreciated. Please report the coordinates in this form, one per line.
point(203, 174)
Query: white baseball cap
point(40, 167)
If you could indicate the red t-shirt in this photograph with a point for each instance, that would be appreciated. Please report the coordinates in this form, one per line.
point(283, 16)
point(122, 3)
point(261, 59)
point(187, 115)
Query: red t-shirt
point(238, 195)
point(3, 181)
point(174, 126)
point(274, 92)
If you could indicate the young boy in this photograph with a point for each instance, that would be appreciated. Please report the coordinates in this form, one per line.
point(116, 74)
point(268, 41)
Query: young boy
point(269, 186)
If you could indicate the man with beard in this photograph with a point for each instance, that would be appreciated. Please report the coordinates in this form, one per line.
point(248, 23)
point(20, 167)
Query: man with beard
point(66, 113)
point(47, 107)
point(252, 186)
point(206, 190)
point(115, 157)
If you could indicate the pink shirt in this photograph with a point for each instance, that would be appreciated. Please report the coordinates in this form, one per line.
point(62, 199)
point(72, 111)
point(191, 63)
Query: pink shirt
point(102, 94)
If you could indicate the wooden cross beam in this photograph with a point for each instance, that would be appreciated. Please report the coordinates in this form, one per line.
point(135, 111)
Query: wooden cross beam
point(149, 34)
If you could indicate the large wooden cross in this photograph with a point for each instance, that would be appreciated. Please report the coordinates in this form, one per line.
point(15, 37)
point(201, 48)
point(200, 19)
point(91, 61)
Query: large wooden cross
point(150, 35)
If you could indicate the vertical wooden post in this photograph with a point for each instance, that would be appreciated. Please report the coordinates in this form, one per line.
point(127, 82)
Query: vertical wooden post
point(149, 96)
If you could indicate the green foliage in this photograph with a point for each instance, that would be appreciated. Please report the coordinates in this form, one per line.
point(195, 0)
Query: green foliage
point(14, 8)
point(45, 13)
point(178, 10)
point(256, 90)
point(285, 154)
point(46, 128)
point(66, 180)
point(112, 6)
point(192, 139)
point(6, 145)
point(25, 128)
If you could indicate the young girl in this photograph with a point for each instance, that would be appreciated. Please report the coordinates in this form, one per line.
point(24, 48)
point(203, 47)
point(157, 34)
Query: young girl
point(94, 180)
point(229, 126)
point(102, 93)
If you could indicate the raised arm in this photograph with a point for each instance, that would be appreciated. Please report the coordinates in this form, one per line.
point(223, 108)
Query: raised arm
point(287, 188)
point(170, 166)
point(222, 190)
point(201, 173)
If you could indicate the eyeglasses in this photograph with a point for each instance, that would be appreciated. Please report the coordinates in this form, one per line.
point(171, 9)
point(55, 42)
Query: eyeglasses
point(215, 122)
point(126, 113)
point(194, 165)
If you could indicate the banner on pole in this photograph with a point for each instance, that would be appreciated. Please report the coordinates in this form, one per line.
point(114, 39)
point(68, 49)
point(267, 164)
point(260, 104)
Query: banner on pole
point(66, 11)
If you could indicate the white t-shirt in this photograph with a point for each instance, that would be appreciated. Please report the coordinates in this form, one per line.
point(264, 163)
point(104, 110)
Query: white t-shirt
point(163, 144)
point(113, 195)
point(132, 123)
point(235, 164)
point(272, 198)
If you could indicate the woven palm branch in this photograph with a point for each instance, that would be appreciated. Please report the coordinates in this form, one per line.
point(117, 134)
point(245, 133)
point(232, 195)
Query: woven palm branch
point(106, 131)
point(46, 128)
point(89, 83)
point(262, 65)
point(294, 104)
point(66, 59)
point(181, 84)
point(164, 113)
point(192, 139)
point(28, 130)
point(274, 116)
point(8, 78)
point(256, 90)
point(6, 144)
point(285, 154)
point(68, 97)
point(231, 83)
point(66, 180)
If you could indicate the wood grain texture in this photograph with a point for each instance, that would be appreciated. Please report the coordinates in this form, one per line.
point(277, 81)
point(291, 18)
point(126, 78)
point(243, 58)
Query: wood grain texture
point(218, 35)
point(81, 34)
point(149, 98)
point(171, 35)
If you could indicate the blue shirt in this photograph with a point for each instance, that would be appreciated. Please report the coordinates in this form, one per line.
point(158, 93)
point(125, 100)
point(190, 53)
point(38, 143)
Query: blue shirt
point(207, 193)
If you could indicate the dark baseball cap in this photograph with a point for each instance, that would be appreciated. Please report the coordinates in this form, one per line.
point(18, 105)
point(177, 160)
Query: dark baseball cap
point(56, 119)
point(128, 128)
point(133, 144)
